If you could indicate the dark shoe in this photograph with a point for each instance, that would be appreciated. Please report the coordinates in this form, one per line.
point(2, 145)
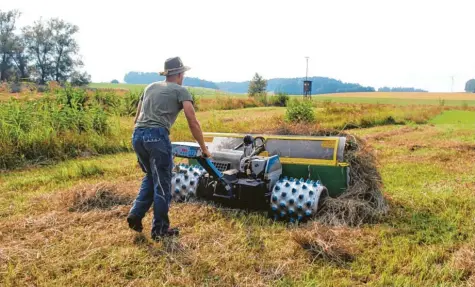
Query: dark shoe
point(135, 222)
point(169, 233)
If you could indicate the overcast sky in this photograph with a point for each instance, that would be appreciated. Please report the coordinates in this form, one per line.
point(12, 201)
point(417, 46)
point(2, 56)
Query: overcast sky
point(412, 43)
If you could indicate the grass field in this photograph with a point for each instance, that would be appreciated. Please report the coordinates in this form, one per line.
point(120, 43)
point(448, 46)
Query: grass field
point(203, 92)
point(64, 223)
point(409, 96)
point(465, 118)
point(396, 98)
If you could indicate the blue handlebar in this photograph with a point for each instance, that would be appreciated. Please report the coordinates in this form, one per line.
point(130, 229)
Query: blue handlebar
point(193, 151)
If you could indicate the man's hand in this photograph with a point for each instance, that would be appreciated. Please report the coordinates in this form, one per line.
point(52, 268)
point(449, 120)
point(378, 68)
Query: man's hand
point(206, 153)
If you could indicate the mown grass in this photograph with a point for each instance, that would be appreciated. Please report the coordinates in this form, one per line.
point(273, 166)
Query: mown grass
point(426, 240)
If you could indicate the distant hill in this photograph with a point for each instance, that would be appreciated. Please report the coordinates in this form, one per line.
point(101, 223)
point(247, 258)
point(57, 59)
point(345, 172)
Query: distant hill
point(149, 77)
point(401, 89)
point(292, 86)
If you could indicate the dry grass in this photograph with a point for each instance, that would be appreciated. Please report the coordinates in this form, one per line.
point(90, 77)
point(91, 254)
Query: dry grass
point(75, 237)
point(364, 201)
point(464, 260)
point(101, 196)
point(407, 95)
point(335, 245)
point(386, 134)
point(228, 103)
point(217, 247)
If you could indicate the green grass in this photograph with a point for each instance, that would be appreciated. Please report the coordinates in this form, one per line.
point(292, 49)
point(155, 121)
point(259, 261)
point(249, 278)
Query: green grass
point(68, 124)
point(455, 117)
point(427, 162)
point(132, 87)
point(202, 92)
point(73, 122)
point(394, 101)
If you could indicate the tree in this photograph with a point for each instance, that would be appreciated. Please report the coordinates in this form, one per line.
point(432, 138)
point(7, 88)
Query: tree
point(21, 58)
point(470, 86)
point(80, 78)
point(257, 86)
point(39, 42)
point(114, 82)
point(65, 49)
point(7, 40)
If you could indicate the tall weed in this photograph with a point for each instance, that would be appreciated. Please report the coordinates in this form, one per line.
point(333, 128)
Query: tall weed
point(57, 127)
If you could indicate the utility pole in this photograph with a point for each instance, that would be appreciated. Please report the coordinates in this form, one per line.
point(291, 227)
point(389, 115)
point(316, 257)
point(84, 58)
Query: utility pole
point(306, 72)
point(452, 87)
point(307, 85)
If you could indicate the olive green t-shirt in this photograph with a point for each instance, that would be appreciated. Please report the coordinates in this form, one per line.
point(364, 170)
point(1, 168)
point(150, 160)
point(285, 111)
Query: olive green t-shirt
point(161, 103)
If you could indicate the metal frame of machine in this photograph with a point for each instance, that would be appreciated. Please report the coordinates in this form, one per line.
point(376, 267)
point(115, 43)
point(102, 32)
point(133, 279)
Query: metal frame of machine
point(288, 175)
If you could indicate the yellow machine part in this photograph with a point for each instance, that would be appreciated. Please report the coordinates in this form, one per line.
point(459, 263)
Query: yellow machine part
point(326, 142)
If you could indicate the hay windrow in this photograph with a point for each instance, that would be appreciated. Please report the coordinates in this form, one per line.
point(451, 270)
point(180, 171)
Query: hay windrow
point(101, 196)
point(363, 202)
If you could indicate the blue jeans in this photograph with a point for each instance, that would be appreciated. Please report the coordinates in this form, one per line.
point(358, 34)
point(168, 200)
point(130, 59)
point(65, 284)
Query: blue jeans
point(154, 152)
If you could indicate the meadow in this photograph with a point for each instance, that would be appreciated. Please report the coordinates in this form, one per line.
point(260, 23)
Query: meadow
point(69, 176)
point(390, 98)
point(203, 92)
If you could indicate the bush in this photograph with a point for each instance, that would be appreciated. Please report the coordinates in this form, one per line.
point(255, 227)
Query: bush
point(196, 100)
point(130, 103)
point(263, 99)
point(282, 99)
point(15, 88)
point(300, 111)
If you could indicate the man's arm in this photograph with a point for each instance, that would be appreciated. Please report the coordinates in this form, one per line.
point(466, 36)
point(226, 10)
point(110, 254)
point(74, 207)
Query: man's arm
point(194, 126)
point(139, 107)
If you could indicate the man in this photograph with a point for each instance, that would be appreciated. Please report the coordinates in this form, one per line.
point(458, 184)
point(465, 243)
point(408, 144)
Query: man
point(157, 110)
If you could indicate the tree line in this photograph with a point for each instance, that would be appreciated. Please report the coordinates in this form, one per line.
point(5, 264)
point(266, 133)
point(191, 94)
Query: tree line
point(43, 51)
point(400, 89)
point(470, 86)
point(284, 85)
point(149, 77)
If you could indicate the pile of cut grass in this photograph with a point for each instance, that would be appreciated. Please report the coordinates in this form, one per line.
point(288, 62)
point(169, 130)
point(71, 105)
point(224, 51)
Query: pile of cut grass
point(101, 196)
point(363, 202)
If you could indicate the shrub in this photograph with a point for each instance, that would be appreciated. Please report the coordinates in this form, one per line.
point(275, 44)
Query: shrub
point(281, 99)
point(130, 102)
point(196, 100)
point(15, 88)
point(465, 105)
point(263, 99)
point(300, 111)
